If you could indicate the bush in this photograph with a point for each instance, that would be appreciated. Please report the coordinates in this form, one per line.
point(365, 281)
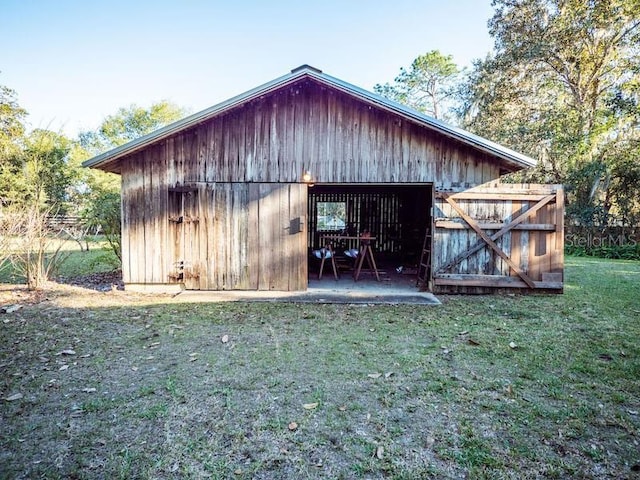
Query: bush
point(605, 242)
point(103, 213)
point(29, 245)
point(618, 252)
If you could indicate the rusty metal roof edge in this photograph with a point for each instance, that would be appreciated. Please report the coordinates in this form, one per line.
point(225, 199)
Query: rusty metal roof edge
point(305, 70)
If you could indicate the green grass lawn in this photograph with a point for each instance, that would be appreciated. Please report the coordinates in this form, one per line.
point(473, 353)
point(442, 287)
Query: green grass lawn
point(480, 387)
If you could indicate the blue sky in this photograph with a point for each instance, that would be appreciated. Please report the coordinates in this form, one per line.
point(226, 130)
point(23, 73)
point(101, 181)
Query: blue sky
point(72, 63)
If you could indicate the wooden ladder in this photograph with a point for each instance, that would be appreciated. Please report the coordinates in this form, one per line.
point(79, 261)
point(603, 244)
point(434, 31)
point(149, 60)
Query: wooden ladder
point(424, 267)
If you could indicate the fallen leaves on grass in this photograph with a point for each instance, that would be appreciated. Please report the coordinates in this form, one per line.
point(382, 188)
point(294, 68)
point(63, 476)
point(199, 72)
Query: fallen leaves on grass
point(293, 426)
point(512, 345)
point(374, 375)
point(310, 406)
point(11, 308)
point(379, 452)
point(473, 342)
point(67, 352)
point(225, 339)
point(14, 397)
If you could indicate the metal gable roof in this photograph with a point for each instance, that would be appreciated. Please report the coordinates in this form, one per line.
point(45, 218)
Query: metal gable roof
point(510, 156)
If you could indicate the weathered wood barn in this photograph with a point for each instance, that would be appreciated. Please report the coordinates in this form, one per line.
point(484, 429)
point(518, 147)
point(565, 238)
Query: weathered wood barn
point(229, 198)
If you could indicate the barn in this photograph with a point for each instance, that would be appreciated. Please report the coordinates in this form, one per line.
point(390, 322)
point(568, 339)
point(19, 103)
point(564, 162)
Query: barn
point(240, 195)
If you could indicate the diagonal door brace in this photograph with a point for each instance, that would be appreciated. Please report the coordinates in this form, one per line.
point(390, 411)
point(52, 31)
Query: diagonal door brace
point(478, 246)
point(489, 240)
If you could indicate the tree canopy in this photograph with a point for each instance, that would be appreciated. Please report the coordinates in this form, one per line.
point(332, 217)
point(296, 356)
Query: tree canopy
point(33, 165)
point(129, 123)
point(42, 169)
point(428, 85)
point(11, 122)
point(563, 85)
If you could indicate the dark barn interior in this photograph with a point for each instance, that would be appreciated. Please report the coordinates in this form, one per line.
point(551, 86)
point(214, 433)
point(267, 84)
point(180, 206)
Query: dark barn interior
point(398, 216)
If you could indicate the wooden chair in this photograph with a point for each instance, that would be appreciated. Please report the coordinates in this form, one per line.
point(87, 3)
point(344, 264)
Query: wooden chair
point(323, 254)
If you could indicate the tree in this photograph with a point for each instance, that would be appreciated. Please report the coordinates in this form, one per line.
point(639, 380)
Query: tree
point(37, 171)
point(427, 86)
point(587, 48)
point(49, 175)
point(11, 136)
point(34, 166)
point(34, 181)
point(128, 124)
point(11, 122)
point(562, 86)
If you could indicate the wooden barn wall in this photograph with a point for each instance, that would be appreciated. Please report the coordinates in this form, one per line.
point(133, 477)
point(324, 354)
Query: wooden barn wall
point(277, 236)
point(535, 245)
point(145, 255)
point(245, 167)
point(213, 235)
point(336, 138)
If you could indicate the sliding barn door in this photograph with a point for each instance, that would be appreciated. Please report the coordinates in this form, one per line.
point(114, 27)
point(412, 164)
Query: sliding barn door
point(277, 243)
point(239, 236)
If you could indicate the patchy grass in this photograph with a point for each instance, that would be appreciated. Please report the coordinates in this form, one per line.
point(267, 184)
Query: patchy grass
point(479, 387)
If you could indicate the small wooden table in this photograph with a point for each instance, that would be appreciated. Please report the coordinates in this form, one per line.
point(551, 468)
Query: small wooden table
point(365, 252)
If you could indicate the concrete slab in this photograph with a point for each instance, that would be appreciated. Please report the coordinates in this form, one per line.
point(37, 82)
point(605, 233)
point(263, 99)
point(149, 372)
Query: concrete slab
point(327, 290)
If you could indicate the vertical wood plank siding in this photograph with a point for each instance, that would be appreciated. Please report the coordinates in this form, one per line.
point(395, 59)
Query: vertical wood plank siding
point(336, 138)
point(245, 168)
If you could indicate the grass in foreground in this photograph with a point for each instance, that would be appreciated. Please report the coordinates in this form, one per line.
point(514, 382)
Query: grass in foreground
point(480, 387)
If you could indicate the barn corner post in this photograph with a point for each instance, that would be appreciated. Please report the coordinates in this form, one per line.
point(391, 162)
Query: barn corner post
point(500, 236)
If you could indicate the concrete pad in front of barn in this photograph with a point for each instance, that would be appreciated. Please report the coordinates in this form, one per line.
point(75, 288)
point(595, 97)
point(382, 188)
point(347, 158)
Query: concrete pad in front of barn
point(326, 291)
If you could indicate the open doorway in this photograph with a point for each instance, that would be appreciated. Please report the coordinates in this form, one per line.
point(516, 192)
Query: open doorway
point(398, 217)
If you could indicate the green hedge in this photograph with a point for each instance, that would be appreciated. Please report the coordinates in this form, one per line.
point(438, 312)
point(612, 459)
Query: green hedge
point(624, 252)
